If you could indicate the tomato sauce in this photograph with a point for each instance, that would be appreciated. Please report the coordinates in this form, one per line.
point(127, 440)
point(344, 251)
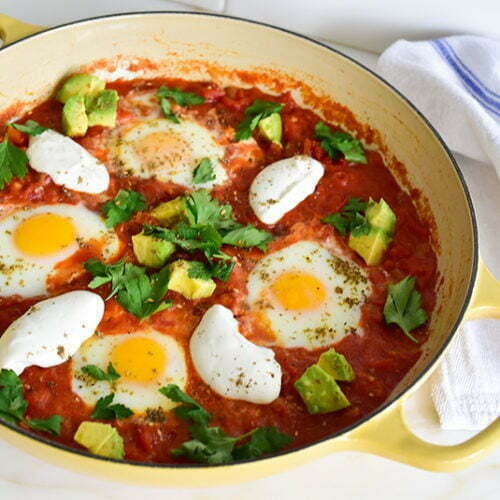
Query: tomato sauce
point(380, 357)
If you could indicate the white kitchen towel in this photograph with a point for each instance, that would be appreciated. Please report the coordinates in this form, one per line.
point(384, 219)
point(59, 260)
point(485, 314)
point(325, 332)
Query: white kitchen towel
point(455, 82)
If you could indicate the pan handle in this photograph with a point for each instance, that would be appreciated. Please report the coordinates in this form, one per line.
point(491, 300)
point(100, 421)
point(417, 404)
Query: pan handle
point(11, 29)
point(387, 435)
point(485, 302)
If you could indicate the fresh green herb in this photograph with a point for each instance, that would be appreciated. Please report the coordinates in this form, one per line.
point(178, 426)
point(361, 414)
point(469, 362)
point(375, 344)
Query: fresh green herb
point(139, 293)
point(13, 162)
point(123, 206)
point(97, 373)
point(211, 445)
point(13, 405)
point(403, 306)
point(217, 269)
point(248, 236)
point(167, 110)
point(51, 424)
point(256, 112)
point(31, 127)
point(204, 172)
point(203, 209)
point(350, 219)
point(104, 410)
point(339, 143)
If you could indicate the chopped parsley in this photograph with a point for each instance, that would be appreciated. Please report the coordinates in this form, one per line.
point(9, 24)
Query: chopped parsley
point(97, 373)
point(211, 445)
point(13, 161)
point(180, 98)
point(350, 219)
point(123, 206)
point(338, 144)
point(218, 269)
point(256, 112)
point(13, 406)
point(104, 410)
point(31, 127)
point(139, 293)
point(403, 306)
point(204, 172)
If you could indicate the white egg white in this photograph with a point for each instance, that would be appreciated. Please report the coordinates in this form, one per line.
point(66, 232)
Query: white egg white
point(138, 396)
point(50, 331)
point(230, 364)
point(324, 324)
point(26, 275)
point(282, 185)
point(67, 163)
point(187, 144)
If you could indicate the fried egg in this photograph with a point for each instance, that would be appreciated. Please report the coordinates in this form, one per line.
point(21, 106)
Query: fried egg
point(35, 240)
point(170, 152)
point(50, 331)
point(146, 361)
point(307, 296)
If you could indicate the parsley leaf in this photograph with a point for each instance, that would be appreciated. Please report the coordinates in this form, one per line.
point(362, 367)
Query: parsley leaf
point(217, 269)
point(256, 112)
point(189, 409)
point(13, 162)
point(402, 306)
point(339, 143)
point(180, 97)
point(248, 236)
point(98, 374)
point(350, 218)
point(31, 127)
point(123, 206)
point(211, 445)
point(104, 410)
point(204, 172)
point(139, 293)
point(203, 209)
point(12, 403)
point(167, 110)
point(51, 424)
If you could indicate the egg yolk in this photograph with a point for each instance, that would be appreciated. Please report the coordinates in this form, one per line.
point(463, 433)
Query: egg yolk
point(44, 234)
point(139, 359)
point(160, 149)
point(298, 291)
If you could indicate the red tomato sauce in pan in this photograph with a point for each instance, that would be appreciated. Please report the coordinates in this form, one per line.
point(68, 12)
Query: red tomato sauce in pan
point(380, 357)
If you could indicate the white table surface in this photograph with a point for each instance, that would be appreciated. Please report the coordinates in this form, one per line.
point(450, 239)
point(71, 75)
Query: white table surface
point(341, 475)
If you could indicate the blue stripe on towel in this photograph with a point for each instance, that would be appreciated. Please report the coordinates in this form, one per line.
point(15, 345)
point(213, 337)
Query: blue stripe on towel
point(476, 88)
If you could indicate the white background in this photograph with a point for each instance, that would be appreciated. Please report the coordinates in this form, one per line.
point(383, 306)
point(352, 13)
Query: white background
point(366, 24)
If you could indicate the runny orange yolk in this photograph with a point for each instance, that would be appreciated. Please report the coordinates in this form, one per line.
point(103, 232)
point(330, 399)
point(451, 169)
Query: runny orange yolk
point(297, 291)
point(44, 234)
point(160, 149)
point(139, 359)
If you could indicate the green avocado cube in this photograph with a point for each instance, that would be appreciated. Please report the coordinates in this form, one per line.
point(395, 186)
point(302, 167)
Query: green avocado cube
point(100, 439)
point(320, 392)
point(74, 118)
point(191, 288)
point(370, 246)
point(151, 251)
point(380, 215)
point(171, 212)
point(81, 84)
point(336, 365)
point(272, 128)
point(101, 108)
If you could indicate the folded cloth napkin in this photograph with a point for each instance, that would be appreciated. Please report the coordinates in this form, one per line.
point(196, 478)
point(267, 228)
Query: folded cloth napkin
point(455, 82)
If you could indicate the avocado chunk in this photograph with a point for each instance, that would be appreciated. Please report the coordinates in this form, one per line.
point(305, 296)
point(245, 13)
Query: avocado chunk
point(100, 439)
point(336, 365)
point(74, 119)
point(271, 128)
point(171, 212)
point(151, 251)
point(191, 288)
point(101, 108)
point(370, 246)
point(320, 392)
point(381, 215)
point(81, 84)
